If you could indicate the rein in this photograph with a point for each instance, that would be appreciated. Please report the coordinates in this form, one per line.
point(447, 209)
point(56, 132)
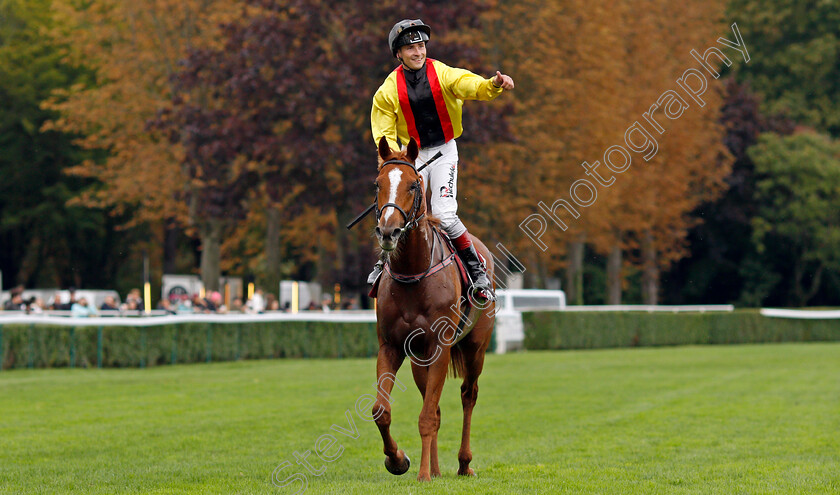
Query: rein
point(433, 268)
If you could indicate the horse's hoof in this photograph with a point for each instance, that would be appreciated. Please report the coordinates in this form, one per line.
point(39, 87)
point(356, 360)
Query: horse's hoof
point(469, 472)
point(421, 477)
point(398, 468)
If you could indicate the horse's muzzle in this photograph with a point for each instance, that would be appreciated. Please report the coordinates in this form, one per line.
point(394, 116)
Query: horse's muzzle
point(388, 237)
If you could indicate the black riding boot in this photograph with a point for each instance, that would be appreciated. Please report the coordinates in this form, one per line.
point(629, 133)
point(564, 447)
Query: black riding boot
point(481, 284)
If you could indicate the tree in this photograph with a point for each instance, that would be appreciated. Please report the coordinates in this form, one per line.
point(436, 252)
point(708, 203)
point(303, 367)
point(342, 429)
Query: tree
point(288, 79)
point(722, 266)
point(793, 50)
point(132, 48)
point(602, 76)
point(798, 192)
point(46, 241)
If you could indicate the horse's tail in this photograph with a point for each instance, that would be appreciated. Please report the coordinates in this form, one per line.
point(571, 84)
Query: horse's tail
point(457, 364)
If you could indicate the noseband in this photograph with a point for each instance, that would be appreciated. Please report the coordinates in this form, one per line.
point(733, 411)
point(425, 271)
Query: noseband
point(410, 220)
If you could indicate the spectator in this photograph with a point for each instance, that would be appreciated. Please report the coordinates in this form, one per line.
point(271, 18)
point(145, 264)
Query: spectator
point(274, 305)
point(269, 301)
point(199, 305)
point(55, 301)
point(312, 306)
point(237, 306)
point(15, 303)
point(326, 301)
point(213, 303)
point(133, 301)
point(257, 302)
point(82, 309)
point(184, 304)
point(130, 305)
point(68, 306)
point(165, 305)
point(34, 305)
point(109, 304)
point(349, 304)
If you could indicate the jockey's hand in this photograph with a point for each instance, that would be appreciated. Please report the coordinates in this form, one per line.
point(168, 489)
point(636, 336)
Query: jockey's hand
point(503, 81)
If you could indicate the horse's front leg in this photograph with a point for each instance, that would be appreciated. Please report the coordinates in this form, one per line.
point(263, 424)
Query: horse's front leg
point(429, 422)
point(387, 364)
point(421, 376)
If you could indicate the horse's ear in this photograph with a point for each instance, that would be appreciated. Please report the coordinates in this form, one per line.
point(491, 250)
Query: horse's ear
point(384, 149)
point(413, 151)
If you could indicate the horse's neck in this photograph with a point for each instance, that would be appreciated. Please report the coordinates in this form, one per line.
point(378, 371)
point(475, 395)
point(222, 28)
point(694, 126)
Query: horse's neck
point(415, 255)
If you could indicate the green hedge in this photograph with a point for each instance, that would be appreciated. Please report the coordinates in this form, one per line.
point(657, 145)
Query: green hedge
point(44, 346)
point(585, 330)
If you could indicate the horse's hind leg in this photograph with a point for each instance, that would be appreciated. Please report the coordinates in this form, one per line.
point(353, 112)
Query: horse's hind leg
point(474, 359)
point(421, 375)
point(387, 364)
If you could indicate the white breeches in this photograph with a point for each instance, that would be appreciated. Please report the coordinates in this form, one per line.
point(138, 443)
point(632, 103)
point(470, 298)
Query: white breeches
point(442, 179)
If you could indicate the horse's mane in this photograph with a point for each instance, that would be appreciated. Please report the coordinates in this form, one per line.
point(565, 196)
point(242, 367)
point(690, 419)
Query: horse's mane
point(433, 220)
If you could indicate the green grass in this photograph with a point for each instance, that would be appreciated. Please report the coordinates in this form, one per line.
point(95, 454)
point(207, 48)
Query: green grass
point(711, 419)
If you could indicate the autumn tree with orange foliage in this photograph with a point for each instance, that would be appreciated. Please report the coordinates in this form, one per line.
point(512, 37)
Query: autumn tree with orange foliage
point(289, 76)
point(134, 48)
point(247, 122)
point(593, 76)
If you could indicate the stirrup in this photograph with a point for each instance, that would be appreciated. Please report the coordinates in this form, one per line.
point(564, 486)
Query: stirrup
point(377, 271)
point(484, 293)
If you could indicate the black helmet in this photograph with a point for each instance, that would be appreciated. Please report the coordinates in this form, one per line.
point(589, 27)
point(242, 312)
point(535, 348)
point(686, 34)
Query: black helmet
point(406, 32)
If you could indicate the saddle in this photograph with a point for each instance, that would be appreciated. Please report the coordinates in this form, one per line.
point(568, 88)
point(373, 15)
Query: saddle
point(450, 257)
point(465, 323)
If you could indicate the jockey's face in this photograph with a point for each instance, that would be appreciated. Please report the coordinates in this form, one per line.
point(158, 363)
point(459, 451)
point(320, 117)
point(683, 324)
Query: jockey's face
point(413, 56)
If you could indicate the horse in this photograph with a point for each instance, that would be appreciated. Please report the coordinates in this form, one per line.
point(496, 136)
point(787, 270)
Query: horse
point(422, 314)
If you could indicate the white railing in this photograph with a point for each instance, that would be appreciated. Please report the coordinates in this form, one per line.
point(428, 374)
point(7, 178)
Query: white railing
point(150, 321)
point(802, 314)
point(655, 309)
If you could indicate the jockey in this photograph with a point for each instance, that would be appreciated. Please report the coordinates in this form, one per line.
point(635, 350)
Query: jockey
point(422, 98)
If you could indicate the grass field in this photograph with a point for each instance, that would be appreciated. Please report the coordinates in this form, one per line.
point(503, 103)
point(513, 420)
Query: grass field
point(704, 420)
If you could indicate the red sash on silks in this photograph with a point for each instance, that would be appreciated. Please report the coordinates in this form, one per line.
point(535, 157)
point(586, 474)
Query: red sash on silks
point(437, 94)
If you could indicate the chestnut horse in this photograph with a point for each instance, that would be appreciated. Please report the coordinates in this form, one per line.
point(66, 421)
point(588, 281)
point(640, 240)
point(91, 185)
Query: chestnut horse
point(422, 313)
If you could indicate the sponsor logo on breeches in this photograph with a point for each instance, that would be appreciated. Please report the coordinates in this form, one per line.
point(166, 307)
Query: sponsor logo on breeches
point(446, 191)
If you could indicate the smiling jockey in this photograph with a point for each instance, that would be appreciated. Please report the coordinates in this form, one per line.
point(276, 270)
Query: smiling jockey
point(422, 98)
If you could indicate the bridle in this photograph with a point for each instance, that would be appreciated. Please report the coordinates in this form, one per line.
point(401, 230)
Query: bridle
point(411, 219)
point(417, 196)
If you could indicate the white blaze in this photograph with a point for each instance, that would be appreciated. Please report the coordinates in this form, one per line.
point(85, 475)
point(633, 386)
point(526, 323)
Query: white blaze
point(395, 176)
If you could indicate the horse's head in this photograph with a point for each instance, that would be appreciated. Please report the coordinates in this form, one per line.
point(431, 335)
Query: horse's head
point(399, 194)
